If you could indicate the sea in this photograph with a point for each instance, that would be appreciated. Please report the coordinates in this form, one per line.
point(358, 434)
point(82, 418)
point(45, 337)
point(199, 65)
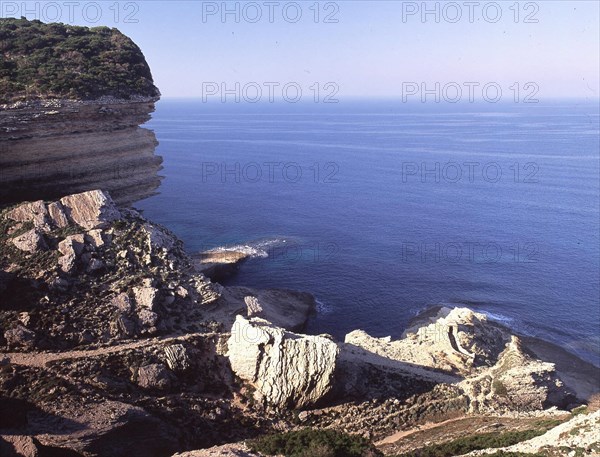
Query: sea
point(382, 209)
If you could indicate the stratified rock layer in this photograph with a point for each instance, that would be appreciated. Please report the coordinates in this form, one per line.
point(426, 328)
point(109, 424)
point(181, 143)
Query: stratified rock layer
point(59, 147)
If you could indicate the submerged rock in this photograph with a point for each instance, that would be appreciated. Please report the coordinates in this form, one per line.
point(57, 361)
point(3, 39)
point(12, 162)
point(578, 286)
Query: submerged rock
point(287, 369)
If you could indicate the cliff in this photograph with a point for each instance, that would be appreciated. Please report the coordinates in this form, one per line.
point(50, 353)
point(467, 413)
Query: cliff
point(74, 127)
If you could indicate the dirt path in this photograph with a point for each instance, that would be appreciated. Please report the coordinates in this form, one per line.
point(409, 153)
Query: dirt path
point(41, 359)
point(404, 433)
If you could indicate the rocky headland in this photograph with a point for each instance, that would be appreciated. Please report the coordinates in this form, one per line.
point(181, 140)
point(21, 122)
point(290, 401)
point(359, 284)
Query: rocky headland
point(64, 126)
point(115, 342)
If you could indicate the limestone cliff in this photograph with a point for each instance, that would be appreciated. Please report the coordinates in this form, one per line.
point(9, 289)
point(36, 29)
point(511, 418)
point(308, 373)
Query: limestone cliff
point(55, 148)
point(70, 112)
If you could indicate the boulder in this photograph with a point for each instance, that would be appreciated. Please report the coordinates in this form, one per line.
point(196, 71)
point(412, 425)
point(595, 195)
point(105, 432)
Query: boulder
point(34, 212)
point(122, 327)
point(31, 241)
point(146, 296)
point(154, 376)
point(287, 369)
point(90, 210)
point(97, 238)
point(254, 307)
point(219, 264)
point(72, 245)
point(177, 357)
point(148, 319)
point(157, 238)
point(20, 336)
point(57, 215)
point(67, 263)
point(122, 302)
point(206, 291)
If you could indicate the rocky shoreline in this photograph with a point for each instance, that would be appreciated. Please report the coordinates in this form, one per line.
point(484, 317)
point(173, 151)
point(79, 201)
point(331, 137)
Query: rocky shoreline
point(114, 341)
point(106, 311)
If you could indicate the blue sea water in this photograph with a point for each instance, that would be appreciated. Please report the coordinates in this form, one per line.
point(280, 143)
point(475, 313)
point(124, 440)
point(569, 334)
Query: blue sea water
point(381, 209)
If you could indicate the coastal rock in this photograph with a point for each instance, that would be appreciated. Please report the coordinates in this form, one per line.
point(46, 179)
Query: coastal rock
point(157, 238)
point(90, 209)
point(57, 215)
point(72, 245)
point(456, 340)
point(254, 307)
point(205, 291)
point(218, 265)
point(31, 241)
point(34, 212)
point(287, 369)
point(284, 308)
point(517, 382)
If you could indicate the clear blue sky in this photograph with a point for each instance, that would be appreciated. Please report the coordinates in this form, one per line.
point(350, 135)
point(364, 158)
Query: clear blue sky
point(370, 51)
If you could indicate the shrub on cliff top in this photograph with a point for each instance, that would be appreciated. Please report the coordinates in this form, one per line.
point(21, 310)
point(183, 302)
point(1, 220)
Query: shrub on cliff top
point(314, 443)
point(45, 61)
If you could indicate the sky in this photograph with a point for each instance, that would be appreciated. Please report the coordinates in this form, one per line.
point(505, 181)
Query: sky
point(541, 50)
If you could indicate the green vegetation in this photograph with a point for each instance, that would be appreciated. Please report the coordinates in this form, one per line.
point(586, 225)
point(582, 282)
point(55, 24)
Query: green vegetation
point(583, 409)
point(476, 442)
point(499, 388)
point(314, 443)
point(46, 61)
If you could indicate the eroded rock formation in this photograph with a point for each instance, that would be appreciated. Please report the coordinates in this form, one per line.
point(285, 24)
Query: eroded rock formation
point(50, 149)
point(287, 369)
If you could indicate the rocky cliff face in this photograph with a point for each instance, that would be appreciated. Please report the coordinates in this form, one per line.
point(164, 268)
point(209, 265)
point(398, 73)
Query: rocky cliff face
point(53, 148)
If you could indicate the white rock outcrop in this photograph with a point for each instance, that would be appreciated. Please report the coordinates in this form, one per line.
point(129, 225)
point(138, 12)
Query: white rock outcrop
point(90, 209)
point(287, 369)
point(30, 241)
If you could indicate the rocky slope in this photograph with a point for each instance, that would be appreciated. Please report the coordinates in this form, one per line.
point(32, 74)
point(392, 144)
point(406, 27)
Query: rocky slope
point(106, 311)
